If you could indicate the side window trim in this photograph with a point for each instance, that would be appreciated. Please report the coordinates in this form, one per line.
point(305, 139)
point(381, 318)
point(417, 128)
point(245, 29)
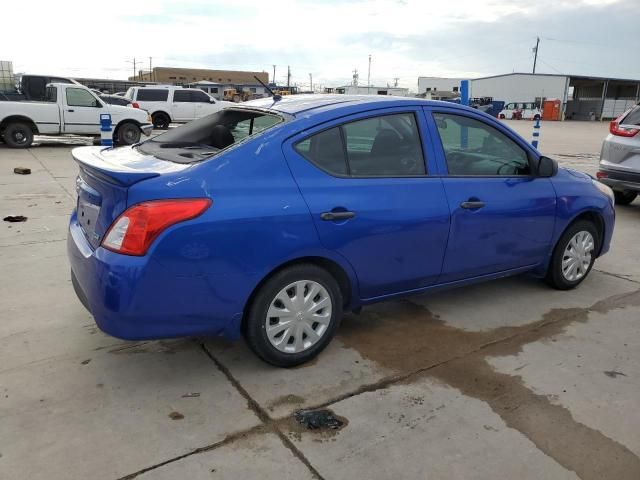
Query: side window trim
point(439, 147)
point(422, 131)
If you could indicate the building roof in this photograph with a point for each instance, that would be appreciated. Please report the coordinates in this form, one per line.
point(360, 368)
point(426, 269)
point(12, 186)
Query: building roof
point(583, 77)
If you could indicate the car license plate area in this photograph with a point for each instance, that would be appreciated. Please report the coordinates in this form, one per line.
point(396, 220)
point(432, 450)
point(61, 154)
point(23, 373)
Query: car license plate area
point(88, 208)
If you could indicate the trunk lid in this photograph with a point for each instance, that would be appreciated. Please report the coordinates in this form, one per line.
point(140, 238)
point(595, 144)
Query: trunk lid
point(102, 185)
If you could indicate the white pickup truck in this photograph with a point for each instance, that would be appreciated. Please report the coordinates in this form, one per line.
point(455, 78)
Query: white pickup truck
point(69, 109)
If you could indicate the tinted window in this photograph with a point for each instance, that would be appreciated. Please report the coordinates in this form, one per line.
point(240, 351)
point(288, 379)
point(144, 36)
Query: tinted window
point(251, 126)
point(153, 95)
point(78, 97)
point(325, 150)
point(384, 146)
point(197, 96)
point(472, 147)
point(182, 96)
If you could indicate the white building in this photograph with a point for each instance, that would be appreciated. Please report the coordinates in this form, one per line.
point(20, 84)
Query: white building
point(364, 90)
point(582, 97)
point(432, 85)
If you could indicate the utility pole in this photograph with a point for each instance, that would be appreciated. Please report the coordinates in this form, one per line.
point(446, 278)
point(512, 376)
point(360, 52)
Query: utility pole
point(395, 81)
point(288, 76)
point(274, 75)
point(535, 51)
point(150, 71)
point(311, 81)
point(355, 77)
point(134, 67)
point(369, 76)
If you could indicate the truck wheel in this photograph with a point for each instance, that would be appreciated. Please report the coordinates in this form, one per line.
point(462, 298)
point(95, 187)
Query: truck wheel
point(160, 120)
point(18, 135)
point(502, 117)
point(625, 197)
point(128, 134)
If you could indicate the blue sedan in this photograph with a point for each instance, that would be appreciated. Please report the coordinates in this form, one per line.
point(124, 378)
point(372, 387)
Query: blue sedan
point(272, 218)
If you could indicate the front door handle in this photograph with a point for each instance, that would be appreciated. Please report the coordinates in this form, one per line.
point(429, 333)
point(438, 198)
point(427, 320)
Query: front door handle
point(472, 204)
point(328, 216)
point(70, 110)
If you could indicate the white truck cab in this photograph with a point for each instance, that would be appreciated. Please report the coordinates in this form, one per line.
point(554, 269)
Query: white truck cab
point(520, 111)
point(69, 109)
point(168, 103)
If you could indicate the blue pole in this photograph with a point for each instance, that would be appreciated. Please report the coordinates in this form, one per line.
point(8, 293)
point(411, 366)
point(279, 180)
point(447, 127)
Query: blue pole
point(106, 135)
point(464, 92)
point(536, 133)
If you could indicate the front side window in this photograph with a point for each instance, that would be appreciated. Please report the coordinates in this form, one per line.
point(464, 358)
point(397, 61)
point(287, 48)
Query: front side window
point(78, 97)
point(198, 96)
point(180, 96)
point(473, 148)
point(384, 146)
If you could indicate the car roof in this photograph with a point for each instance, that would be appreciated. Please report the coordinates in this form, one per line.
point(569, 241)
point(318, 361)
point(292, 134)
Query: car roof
point(307, 103)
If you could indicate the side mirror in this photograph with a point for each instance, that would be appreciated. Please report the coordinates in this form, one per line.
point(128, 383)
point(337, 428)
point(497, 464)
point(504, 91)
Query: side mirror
point(547, 167)
point(211, 100)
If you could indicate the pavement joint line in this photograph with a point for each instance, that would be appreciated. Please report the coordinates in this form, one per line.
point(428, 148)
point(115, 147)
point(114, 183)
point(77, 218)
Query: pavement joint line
point(71, 196)
point(34, 242)
point(262, 414)
point(615, 275)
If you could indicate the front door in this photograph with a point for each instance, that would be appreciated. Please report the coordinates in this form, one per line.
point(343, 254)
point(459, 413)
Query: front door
point(183, 108)
point(366, 183)
point(81, 112)
point(502, 215)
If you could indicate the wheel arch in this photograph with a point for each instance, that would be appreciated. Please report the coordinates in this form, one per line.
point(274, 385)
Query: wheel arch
point(122, 122)
point(343, 276)
point(18, 119)
point(160, 111)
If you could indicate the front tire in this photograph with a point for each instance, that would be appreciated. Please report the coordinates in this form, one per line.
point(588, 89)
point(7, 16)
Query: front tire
point(294, 315)
point(573, 256)
point(18, 135)
point(624, 197)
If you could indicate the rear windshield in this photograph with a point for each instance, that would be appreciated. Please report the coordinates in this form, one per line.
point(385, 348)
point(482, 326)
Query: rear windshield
point(205, 137)
point(634, 116)
point(152, 95)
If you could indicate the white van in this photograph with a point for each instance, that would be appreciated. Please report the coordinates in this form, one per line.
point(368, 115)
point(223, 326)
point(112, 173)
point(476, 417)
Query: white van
point(167, 104)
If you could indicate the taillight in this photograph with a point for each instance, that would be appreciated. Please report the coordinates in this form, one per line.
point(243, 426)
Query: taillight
point(135, 105)
point(135, 230)
point(622, 131)
point(601, 174)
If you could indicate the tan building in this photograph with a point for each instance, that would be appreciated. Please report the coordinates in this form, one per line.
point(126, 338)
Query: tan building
point(180, 76)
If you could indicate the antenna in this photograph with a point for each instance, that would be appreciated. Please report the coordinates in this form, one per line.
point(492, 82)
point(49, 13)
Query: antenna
point(275, 96)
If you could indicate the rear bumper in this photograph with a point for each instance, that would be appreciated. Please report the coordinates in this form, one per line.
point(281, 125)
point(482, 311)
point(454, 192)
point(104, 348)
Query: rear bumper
point(146, 128)
point(619, 180)
point(136, 298)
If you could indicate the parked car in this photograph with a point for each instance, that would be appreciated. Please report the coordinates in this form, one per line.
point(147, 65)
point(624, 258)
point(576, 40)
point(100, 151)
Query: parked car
point(168, 104)
point(620, 157)
point(272, 218)
point(69, 109)
point(520, 111)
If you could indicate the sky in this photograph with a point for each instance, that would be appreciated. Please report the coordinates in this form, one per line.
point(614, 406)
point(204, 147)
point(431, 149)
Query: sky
point(327, 38)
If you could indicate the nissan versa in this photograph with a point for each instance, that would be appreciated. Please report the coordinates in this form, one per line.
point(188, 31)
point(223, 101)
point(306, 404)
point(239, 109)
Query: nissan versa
point(271, 218)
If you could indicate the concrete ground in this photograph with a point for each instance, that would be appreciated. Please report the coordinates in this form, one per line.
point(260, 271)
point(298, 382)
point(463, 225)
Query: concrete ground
point(505, 380)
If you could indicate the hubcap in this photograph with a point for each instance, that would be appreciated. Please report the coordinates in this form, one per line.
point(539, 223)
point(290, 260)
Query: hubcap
point(577, 256)
point(298, 316)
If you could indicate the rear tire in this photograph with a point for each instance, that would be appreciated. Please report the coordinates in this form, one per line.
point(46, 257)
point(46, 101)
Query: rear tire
point(560, 274)
point(625, 197)
point(128, 134)
point(161, 120)
point(306, 328)
point(18, 135)
point(502, 117)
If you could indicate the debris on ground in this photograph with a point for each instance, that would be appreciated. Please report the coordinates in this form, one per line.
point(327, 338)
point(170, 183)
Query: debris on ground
point(15, 218)
point(191, 395)
point(176, 416)
point(22, 171)
point(317, 419)
point(614, 374)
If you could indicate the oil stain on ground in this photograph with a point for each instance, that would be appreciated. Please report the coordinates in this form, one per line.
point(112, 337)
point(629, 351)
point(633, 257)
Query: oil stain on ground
point(407, 338)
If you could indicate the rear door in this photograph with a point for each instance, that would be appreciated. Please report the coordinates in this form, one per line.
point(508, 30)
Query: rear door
point(81, 111)
point(183, 108)
point(365, 180)
point(502, 215)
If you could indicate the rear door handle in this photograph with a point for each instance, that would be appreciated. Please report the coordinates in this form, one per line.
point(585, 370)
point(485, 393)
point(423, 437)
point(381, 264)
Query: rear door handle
point(328, 216)
point(472, 204)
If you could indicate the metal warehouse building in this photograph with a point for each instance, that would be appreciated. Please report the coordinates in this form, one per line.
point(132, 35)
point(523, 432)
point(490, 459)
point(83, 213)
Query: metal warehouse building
point(583, 98)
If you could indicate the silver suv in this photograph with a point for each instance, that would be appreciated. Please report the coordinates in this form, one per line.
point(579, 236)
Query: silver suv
point(620, 157)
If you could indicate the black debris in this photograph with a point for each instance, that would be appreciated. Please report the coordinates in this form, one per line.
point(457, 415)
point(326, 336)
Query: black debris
point(317, 419)
point(22, 171)
point(15, 218)
point(613, 373)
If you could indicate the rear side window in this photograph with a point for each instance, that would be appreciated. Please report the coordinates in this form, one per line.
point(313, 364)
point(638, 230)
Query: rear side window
point(384, 146)
point(182, 96)
point(153, 95)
